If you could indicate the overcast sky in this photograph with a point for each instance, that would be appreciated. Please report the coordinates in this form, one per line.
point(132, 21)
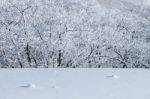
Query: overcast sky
point(122, 4)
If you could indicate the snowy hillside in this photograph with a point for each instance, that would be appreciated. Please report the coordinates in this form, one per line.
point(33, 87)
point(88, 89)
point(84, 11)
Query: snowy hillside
point(74, 84)
point(74, 34)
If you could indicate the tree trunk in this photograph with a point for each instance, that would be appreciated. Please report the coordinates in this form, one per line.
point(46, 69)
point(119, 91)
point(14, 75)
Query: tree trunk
point(59, 60)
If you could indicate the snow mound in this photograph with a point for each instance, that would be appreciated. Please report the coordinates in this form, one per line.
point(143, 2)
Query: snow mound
point(54, 87)
point(113, 76)
point(28, 85)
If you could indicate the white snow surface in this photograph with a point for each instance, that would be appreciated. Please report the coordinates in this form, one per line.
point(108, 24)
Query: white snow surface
point(74, 84)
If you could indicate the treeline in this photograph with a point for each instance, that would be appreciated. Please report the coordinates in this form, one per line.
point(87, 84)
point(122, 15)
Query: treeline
point(73, 34)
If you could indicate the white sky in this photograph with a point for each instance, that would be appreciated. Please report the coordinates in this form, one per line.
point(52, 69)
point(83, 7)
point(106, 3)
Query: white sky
point(148, 2)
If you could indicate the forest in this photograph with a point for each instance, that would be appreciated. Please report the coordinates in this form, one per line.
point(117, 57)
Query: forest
point(74, 34)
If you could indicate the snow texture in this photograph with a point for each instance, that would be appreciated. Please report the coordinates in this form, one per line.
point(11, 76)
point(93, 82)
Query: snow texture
point(74, 84)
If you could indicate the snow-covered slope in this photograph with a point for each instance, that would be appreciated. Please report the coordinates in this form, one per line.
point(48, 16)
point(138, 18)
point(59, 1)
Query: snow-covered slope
point(74, 84)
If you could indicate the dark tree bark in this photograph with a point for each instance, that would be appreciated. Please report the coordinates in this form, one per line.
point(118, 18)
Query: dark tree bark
point(28, 53)
point(59, 60)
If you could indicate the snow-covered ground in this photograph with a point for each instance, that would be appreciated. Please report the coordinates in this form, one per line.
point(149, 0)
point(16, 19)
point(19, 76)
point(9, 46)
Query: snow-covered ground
point(74, 84)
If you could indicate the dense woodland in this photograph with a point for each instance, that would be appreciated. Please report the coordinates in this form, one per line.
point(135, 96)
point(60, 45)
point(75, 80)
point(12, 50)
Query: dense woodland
point(73, 34)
